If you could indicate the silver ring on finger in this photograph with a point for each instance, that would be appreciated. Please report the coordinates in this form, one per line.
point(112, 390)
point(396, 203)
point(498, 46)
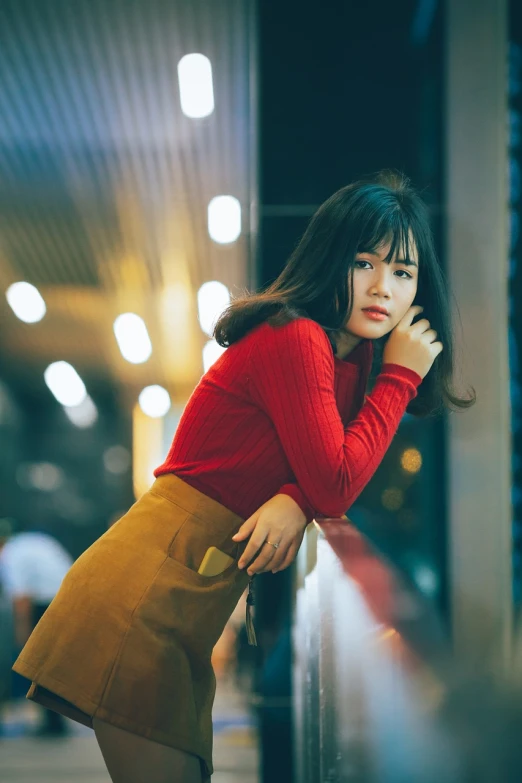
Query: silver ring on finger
point(271, 544)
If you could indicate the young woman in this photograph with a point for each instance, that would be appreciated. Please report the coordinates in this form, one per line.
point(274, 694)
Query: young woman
point(278, 431)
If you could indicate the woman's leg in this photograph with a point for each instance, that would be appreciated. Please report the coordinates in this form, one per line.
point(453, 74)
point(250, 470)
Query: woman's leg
point(134, 759)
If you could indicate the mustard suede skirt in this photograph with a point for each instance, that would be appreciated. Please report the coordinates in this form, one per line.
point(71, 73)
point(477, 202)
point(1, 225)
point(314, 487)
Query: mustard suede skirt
point(129, 636)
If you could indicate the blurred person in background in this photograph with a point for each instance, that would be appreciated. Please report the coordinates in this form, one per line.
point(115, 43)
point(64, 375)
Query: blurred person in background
point(6, 629)
point(277, 432)
point(32, 567)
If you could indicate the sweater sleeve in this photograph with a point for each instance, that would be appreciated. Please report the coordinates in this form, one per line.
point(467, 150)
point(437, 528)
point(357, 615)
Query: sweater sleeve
point(296, 493)
point(292, 379)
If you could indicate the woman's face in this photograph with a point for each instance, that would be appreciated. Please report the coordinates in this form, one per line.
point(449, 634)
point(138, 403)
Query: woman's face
point(390, 285)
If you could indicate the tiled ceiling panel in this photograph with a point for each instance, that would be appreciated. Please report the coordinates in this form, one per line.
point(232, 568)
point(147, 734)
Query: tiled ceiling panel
point(105, 183)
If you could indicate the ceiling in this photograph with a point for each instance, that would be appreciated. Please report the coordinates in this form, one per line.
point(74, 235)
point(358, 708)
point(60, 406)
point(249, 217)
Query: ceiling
point(104, 182)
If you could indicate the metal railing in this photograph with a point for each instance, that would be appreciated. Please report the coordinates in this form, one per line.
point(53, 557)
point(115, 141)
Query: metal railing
point(378, 697)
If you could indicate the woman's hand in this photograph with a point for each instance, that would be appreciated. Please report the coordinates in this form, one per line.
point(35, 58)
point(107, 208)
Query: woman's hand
point(414, 346)
point(280, 521)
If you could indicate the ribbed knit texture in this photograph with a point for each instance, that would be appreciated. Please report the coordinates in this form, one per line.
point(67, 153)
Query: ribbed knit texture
point(279, 413)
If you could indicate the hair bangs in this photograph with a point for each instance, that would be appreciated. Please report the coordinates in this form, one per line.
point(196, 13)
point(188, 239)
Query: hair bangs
point(391, 227)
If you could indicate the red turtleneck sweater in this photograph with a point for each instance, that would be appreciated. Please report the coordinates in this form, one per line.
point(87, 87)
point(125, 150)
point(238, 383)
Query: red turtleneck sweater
point(279, 413)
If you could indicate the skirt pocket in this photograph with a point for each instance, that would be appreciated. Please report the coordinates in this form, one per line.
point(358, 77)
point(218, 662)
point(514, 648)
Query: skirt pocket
point(191, 541)
point(192, 577)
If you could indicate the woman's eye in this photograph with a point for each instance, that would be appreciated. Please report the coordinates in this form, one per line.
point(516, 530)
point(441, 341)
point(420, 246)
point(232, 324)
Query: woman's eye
point(408, 276)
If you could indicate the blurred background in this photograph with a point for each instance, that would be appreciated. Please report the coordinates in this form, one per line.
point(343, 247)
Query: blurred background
point(157, 157)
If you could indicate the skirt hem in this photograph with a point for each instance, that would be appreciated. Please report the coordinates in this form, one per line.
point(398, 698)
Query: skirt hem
point(53, 694)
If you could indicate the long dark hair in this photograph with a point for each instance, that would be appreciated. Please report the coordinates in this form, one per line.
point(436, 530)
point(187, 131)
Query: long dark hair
point(317, 280)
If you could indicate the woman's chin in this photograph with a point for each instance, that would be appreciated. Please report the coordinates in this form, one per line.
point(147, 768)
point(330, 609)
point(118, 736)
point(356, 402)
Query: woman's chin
point(370, 330)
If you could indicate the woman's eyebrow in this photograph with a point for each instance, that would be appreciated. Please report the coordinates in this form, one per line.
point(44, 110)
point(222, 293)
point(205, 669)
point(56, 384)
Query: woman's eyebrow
point(405, 261)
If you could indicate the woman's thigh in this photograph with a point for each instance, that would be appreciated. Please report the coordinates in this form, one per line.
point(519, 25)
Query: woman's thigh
point(131, 758)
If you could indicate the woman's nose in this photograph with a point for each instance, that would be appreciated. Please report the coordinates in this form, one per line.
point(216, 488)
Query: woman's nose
point(381, 287)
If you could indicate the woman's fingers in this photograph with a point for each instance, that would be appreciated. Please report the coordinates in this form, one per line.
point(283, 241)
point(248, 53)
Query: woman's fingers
point(257, 539)
point(246, 528)
point(265, 553)
point(274, 558)
point(265, 557)
point(280, 556)
point(289, 558)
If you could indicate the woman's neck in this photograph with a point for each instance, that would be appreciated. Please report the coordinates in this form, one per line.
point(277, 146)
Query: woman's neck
point(346, 342)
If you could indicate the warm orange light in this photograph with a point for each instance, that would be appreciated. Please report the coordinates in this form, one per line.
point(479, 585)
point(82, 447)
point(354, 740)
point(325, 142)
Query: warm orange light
point(392, 498)
point(411, 460)
point(147, 449)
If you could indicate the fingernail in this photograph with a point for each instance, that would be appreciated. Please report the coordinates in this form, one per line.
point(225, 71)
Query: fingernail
point(240, 565)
